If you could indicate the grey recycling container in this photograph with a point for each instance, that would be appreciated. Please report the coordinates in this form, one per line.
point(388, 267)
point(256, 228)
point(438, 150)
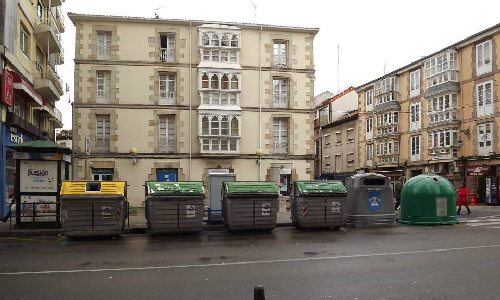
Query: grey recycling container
point(318, 204)
point(93, 208)
point(369, 201)
point(174, 206)
point(250, 205)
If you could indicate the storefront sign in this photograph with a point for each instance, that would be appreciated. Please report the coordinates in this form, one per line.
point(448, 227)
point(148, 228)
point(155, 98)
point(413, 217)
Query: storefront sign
point(44, 208)
point(285, 171)
point(38, 176)
point(16, 138)
point(42, 156)
point(7, 88)
point(481, 171)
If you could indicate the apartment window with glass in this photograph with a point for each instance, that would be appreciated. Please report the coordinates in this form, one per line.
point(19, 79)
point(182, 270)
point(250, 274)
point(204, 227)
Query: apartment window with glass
point(327, 140)
point(167, 89)
point(485, 138)
point(369, 128)
point(483, 58)
point(279, 51)
point(102, 133)
point(103, 86)
point(166, 139)
point(415, 123)
point(327, 161)
point(338, 138)
point(484, 96)
point(442, 138)
point(415, 83)
point(220, 133)
point(369, 154)
point(443, 108)
point(415, 148)
point(280, 92)
point(39, 63)
point(103, 43)
point(24, 40)
point(324, 115)
point(280, 135)
point(369, 100)
point(441, 68)
point(350, 159)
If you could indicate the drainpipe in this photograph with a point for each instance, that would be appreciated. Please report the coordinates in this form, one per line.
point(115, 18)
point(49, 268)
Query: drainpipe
point(260, 97)
point(190, 103)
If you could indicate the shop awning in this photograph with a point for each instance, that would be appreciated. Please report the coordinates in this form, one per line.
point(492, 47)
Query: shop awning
point(481, 171)
point(20, 84)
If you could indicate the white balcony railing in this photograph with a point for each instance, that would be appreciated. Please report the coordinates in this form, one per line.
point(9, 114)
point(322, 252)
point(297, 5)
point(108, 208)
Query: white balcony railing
point(280, 100)
point(167, 54)
point(385, 130)
point(166, 97)
point(280, 147)
point(46, 71)
point(103, 50)
point(388, 159)
point(442, 117)
point(280, 61)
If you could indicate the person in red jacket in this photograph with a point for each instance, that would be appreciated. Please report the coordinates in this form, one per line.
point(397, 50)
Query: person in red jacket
point(463, 198)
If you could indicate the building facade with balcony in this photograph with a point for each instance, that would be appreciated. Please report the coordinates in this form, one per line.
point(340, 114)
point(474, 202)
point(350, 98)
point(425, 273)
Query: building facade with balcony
point(336, 135)
point(181, 100)
point(30, 52)
point(438, 115)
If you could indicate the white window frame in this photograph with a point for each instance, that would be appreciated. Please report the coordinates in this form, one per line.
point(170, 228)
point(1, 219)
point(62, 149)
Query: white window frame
point(484, 137)
point(166, 133)
point(415, 116)
point(103, 86)
point(280, 53)
point(166, 89)
point(415, 147)
point(482, 97)
point(484, 57)
point(216, 140)
point(415, 83)
point(103, 43)
point(167, 54)
point(369, 155)
point(24, 40)
point(102, 133)
point(369, 128)
point(369, 100)
point(280, 135)
point(280, 92)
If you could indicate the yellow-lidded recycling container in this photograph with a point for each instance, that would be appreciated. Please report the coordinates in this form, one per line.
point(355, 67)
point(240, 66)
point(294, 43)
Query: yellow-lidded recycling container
point(93, 208)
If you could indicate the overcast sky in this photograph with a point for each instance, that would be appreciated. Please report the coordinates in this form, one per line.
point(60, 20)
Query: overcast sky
point(371, 34)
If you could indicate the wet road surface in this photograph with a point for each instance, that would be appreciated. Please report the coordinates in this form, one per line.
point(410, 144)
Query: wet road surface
point(405, 262)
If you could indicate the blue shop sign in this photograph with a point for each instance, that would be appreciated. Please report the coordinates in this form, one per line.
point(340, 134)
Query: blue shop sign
point(12, 138)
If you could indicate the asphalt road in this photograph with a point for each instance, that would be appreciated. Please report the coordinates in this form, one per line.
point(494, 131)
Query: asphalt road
point(406, 262)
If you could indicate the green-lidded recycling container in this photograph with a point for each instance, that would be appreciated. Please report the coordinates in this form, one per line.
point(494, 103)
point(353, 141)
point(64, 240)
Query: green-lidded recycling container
point(250, 205)
point(428, 200)
point(370, 201)
point(318, 204)
point(174, 206)
point(93, 208)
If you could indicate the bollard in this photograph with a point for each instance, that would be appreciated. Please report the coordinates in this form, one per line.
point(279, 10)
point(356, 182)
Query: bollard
point(258, 293)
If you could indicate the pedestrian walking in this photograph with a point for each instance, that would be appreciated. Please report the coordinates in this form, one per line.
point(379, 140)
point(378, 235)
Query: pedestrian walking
point(397, 192)
point(463, 198)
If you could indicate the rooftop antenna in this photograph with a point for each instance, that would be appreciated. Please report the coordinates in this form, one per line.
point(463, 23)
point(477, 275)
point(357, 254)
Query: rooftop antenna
point(156, 11)
point(385, 65)
point(338, 67)
point(254, 9)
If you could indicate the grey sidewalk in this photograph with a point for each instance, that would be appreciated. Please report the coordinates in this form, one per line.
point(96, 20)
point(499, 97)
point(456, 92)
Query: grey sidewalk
point(138, 222)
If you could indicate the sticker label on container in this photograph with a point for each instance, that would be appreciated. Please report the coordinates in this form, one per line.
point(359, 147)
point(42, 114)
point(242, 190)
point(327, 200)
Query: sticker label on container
point(266, 209)
point(304, 210)
point(106, 212)
point(191, 211)
point(441, 207)
point(374, 201)
point(335, 207)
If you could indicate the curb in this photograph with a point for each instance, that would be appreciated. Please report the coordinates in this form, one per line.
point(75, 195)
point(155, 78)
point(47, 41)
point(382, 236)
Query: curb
point(132, 230)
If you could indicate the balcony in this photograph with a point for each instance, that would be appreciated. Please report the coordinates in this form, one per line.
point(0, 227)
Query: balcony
point(46, 82)
point(167, 55)
point(60, 20)
point(280, 148)
point(388, 160)
point(47, 33)
point(51, 112)
point(20, 122)
point(388, 130)
point(438, 118)
point(387, 105)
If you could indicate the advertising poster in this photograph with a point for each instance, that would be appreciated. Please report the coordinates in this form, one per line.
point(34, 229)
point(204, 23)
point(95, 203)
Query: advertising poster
point(43, 207)
point(38, 176)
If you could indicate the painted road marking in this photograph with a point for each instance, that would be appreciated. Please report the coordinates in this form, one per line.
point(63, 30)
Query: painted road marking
point(253, 262)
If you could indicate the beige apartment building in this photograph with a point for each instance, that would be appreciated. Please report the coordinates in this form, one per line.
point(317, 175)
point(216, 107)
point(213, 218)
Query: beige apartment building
point(336, 135)
point(163, 99)
point(439, 114)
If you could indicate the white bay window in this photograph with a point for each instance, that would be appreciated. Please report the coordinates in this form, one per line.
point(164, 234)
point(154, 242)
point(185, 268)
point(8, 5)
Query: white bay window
point(220, 133)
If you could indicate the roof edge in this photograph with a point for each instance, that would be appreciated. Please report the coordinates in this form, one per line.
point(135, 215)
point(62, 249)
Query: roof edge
point(74, 17)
